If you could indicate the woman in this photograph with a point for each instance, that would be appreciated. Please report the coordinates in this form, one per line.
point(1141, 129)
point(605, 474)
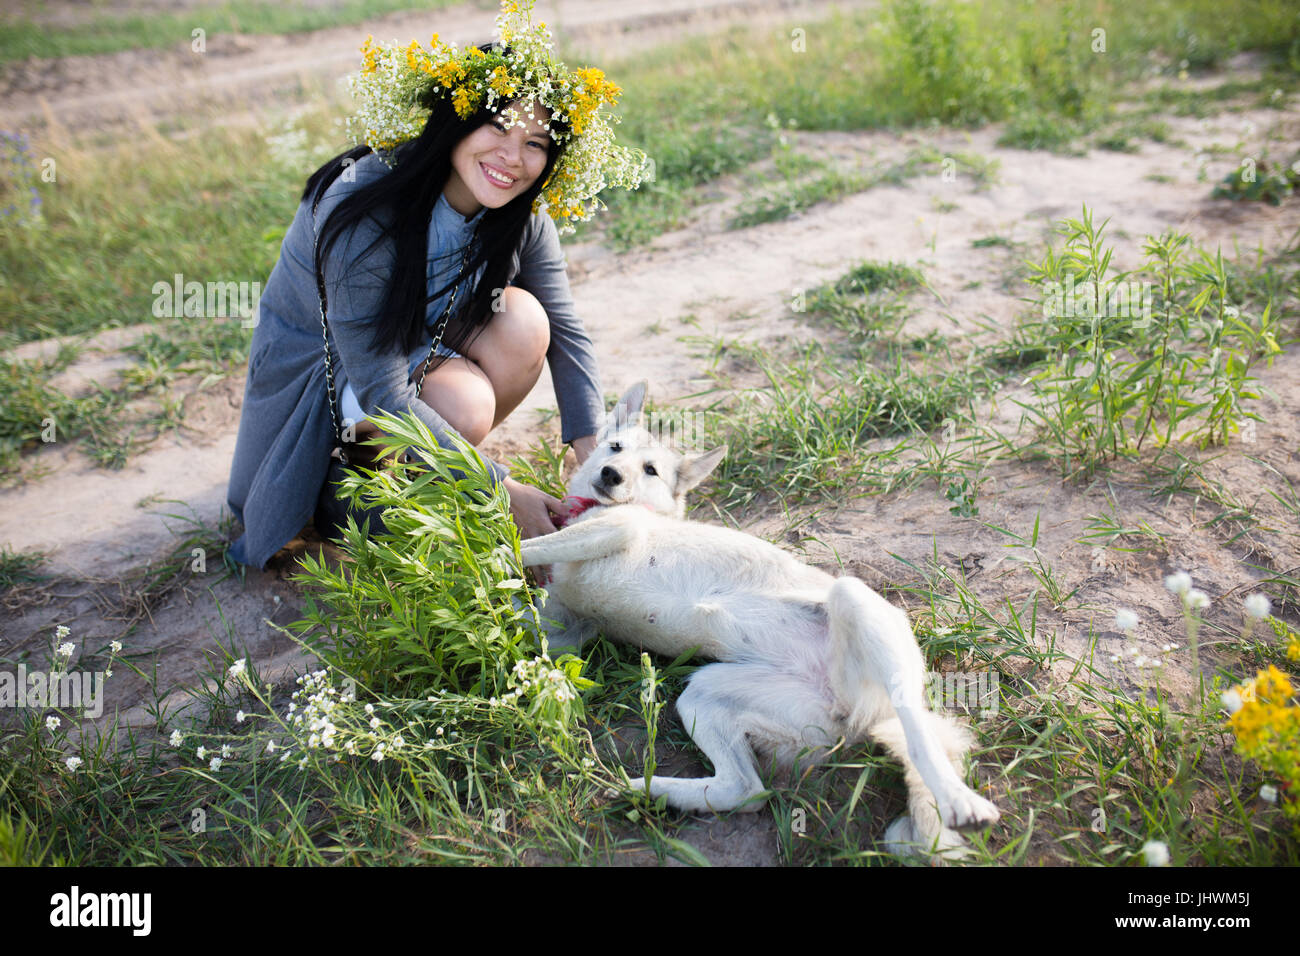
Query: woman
point(444, 290)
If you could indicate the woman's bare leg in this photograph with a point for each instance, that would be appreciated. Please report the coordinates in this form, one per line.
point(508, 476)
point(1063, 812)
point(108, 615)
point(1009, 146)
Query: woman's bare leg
point(476, 393)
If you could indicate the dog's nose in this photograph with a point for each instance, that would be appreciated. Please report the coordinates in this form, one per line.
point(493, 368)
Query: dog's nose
point(609, 476)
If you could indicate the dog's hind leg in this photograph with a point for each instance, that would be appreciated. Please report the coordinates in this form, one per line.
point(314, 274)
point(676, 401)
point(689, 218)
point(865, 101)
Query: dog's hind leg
point(921, 830)
point(873, 650)
point(716, 725)
point(729, 710)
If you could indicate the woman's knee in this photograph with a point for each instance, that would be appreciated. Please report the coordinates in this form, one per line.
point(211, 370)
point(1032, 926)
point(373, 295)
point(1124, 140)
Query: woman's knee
point(522, 330)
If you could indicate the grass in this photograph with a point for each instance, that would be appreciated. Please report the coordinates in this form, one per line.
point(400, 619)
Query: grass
point(19, 567)
point(109, 33)
point(1084, 778)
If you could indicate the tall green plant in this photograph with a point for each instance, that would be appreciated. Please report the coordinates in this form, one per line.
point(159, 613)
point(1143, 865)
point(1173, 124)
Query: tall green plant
point(1160, 352)
point(436, 600)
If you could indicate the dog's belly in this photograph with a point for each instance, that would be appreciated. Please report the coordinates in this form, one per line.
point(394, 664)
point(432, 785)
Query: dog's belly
point(668, 610)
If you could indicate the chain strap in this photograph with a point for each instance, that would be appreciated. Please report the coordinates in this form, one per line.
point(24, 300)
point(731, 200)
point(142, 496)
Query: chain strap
point(340, 445)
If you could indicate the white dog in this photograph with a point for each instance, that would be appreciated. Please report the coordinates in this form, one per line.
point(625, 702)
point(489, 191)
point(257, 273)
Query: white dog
point(805, 659)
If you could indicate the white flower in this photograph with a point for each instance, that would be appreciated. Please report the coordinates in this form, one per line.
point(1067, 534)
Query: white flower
point(239, 717)
point(1258, 606)
point(374, 723)
point(378, 755)
point(1196, 599)
point(225, 750)
point(237, 669)
point(1180, 583)
point(61, 632)
point(1156, 853)
point(202, 753)
point(115, 647)
point(1268, 793)
point(270, 746)
point(1125, 619)
point(176, 738)
point(1232, 701)
point(52, 724)
point(215, 764)
point(73, 763)
point(65, 650)
point(370, 709)
point(109, 672)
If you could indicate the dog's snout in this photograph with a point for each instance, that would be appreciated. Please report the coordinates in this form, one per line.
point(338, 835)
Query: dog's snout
point(608, 476)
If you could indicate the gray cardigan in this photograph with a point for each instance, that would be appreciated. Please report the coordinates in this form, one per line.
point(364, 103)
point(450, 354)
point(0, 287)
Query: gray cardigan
point(282, 453)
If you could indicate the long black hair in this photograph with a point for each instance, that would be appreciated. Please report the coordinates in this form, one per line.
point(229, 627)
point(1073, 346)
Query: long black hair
point(400, 204)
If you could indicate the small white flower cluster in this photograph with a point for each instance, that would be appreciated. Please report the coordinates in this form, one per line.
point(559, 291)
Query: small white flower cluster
point(1258, 606)
point(1156, 853)
point(1194, 599)
point(1142, 661)
point(319, 700)
point(539, 679)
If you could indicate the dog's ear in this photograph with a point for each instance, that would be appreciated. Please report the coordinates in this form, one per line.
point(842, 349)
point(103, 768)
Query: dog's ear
point(695, 468)
point(627, 410)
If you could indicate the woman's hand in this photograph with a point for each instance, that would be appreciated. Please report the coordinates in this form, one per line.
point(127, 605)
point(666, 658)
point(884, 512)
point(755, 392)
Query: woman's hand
point(532, 509)
point(583, 447)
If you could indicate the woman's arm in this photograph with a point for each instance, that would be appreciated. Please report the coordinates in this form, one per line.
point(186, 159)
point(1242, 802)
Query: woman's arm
point(571, 356)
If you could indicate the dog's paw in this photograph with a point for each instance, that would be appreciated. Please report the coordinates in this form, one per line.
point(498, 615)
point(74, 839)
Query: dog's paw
point(901, 840)
point(967, 810)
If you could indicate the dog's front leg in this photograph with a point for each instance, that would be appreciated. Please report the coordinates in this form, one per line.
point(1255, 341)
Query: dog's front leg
point(595, 538)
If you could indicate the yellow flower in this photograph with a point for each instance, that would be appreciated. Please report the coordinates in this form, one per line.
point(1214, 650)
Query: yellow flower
point(462, 102)
point(501, 81)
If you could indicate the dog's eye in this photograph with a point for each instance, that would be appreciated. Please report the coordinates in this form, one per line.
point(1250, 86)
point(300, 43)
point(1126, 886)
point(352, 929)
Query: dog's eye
point(615, 447)
point(650, 470)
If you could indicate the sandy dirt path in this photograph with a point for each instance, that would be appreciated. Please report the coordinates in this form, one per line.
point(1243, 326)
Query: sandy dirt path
point(236, 70)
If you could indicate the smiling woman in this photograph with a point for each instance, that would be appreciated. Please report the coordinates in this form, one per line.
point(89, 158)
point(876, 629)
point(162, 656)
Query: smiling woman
point(420, 275)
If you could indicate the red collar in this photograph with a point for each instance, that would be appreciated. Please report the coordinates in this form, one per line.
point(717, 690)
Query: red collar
point(577, 505)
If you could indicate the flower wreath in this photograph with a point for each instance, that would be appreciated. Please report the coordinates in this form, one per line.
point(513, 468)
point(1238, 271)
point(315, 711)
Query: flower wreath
point(396, 83)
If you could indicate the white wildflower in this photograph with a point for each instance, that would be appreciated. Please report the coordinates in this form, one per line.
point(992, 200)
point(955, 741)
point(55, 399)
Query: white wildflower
point(1232, 701)
point(1258, 606)
point(52, 724)
point(1180, 583)
point(1125, 619)
point(215, 764)
point(115, 647)
point(73, 763)
point(237, 669)
point(65, 650)
point(1268, 793)
point(202, 753)
point(239, 717)
point(225, 750)
point(176, 739)
point(1196, 599)
point(1156, 853)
